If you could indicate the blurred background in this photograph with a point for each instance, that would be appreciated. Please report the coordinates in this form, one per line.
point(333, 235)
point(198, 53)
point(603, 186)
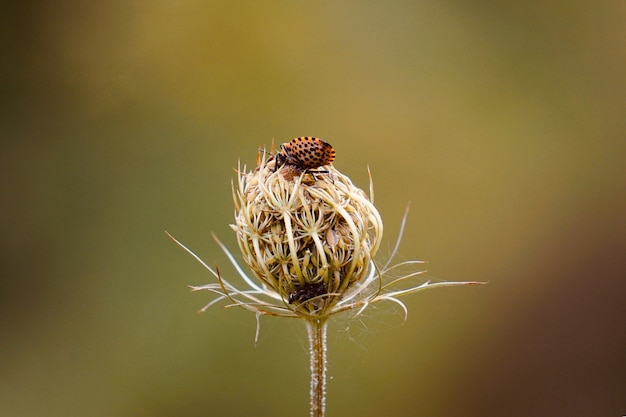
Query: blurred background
point(503, 123)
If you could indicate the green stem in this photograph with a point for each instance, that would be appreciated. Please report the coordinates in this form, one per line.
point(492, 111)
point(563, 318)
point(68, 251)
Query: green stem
point(317, 330)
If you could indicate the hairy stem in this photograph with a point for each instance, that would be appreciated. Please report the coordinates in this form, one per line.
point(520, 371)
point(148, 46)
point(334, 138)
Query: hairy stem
point(317, 349)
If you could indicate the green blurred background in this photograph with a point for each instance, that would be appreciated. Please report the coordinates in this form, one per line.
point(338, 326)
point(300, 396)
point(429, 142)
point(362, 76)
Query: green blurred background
point(502, 122)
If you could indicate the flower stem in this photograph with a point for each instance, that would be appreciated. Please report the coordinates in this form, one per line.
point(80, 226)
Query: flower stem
point(317, 330)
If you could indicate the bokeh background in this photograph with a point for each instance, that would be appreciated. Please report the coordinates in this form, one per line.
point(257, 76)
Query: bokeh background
point(502, 122)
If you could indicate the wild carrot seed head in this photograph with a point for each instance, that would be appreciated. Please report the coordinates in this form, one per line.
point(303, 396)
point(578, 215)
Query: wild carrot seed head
point(307, 236)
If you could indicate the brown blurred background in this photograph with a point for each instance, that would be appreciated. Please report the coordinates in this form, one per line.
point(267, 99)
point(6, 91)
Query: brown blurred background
point(502, 122)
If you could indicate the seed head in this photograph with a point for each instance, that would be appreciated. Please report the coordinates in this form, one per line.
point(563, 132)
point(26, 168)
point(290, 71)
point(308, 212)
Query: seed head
point(308, 236)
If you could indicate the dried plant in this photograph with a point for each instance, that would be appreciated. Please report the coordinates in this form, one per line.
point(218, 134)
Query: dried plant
point(309, 236)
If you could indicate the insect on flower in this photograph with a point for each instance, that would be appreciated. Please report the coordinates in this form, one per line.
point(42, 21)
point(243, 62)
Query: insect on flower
point(310, 248)
point(305, 153)
point(306, 293)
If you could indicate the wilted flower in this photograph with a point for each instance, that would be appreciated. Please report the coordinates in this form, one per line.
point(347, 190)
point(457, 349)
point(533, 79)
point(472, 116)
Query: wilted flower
point(309, 238)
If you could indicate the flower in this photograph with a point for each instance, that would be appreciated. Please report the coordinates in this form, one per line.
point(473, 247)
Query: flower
point(309, 237)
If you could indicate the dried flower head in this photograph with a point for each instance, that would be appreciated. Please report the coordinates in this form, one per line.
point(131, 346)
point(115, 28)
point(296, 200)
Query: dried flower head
point(309, 237)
